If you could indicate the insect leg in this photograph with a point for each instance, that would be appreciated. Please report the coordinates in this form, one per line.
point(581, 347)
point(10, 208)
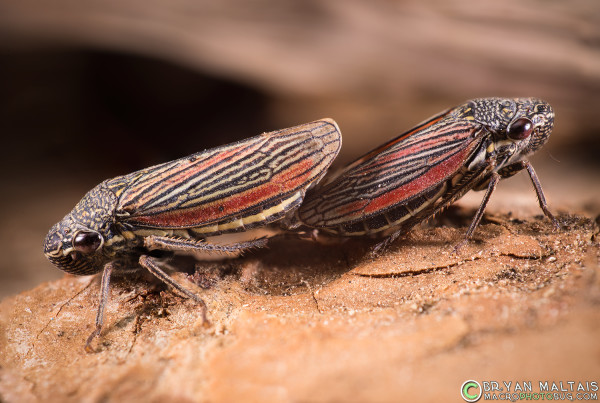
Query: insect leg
point(381, 246)
point(540, 193)
point(190, 245)
point(150, 264)
point(108, 268)
point(494, 179)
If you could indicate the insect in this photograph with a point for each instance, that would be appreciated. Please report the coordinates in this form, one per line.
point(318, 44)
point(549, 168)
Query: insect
point(412, 177)
point(175, 206)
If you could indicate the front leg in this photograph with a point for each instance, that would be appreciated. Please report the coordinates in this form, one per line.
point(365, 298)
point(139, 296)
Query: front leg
point(493, 182)
point(108, 268)
point(151, 265)
point(540, 193)
point(512, 169)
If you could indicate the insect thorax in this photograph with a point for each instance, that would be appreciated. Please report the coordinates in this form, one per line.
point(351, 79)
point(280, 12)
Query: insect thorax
point(95, 211)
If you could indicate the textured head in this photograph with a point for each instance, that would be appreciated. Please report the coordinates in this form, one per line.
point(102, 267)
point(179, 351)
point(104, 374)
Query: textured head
point(75, 244)
point(520, 126)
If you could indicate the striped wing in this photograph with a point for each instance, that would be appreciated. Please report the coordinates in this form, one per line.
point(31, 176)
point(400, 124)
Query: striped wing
point(248, 183)
point(407, 167)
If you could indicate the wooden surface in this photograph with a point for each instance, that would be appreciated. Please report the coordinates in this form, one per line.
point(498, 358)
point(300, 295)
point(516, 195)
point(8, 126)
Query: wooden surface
point(303, 322)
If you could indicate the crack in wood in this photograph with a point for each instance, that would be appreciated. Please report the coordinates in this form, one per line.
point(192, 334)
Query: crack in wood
point(410, 273)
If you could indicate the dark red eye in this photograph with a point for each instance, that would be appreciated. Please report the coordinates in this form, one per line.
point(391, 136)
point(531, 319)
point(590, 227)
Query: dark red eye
point(87, 242)
point(520, 129)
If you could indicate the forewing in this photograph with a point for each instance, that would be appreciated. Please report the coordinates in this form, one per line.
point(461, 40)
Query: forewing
point(398, 171)
point(229, 182)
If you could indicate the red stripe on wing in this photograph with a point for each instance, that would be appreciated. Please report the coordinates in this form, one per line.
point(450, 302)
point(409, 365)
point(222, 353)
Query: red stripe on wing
point(172, 178)
point(432, 177)
point(266, 195)
point(440, 171)
point(396, 140)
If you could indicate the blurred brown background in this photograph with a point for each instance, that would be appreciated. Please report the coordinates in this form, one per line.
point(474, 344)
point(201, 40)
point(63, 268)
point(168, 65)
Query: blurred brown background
point(90, 90)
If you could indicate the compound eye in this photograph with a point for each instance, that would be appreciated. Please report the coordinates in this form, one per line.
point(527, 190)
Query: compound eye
point(520, 129)
point(87, 242)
